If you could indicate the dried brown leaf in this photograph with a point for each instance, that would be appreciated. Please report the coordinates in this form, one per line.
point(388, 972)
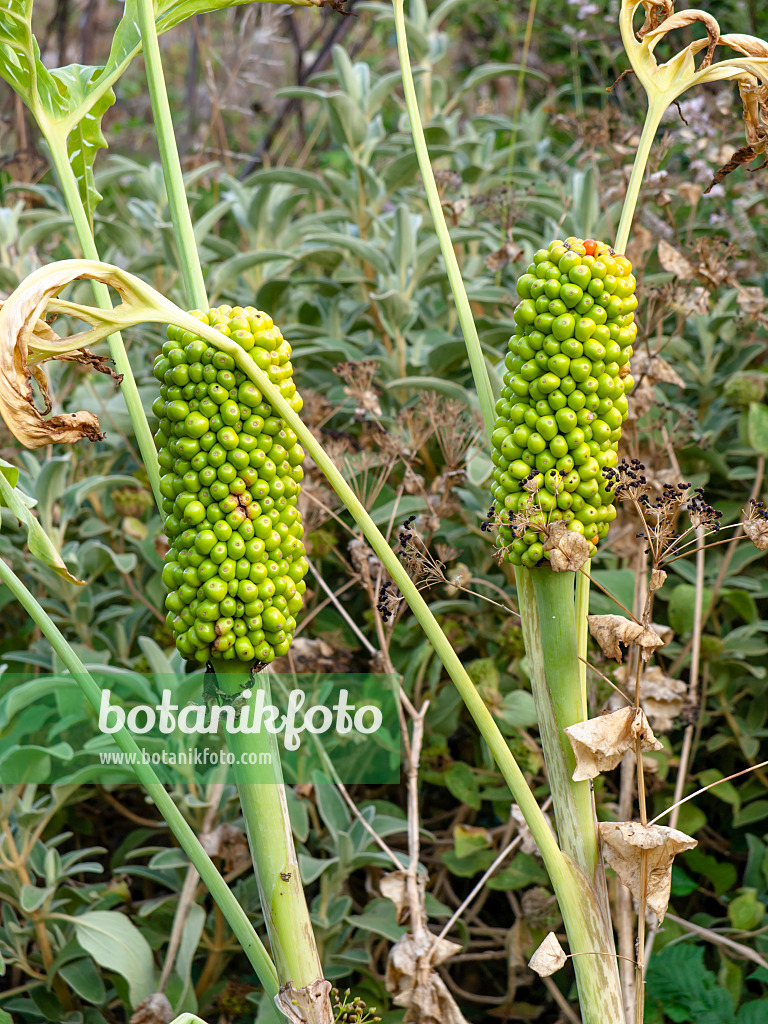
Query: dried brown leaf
point(228, 842)
point(394, 886)
point(757, 531)
point(26, 341)
point(655, 368)
point(742, 156)
point(510, 252)
point(568, 550)
point(673, 261)
point(415, 985)
point(599, 744)
point(662, 698)
point(658, 576)
point(155, 1009)
point(549, 957)
point(611, 631)
point(751, 299)
point(656, 11)
point(626, 844)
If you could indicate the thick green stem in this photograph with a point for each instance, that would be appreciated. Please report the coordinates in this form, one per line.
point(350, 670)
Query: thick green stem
point(546, 602)
point(463, 309)
point(652, 120)
point(189, 261)
point(218, 888)
point(582, 631)
point(117, 350)
point(258, 775)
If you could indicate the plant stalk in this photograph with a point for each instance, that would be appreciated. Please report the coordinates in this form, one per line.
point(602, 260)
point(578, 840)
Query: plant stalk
point(463, 309)
point(117, 350)
point(259, 778)
point(188, 258)
point(653, 118)
point(236, 917)
point(546, 602)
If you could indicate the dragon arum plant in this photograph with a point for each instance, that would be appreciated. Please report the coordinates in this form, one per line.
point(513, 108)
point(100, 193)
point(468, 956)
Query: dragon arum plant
point(227, 469)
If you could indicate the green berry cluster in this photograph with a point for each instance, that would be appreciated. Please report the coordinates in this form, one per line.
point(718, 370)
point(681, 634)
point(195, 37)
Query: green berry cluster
point(231, 479)
point(564, 396)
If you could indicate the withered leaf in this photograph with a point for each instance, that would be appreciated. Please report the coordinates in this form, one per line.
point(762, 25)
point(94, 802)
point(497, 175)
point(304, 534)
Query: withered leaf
point(627, 843)
point(673, 261)
point(655, 368)
point(27, 341)
point(611, 631)
point(155, 1009)
point(751, 299)
point(662, 698)
point(757, 531)
point(568, 550)
point(750, 46)
point(742, 156)
point(658, 576)
point(394, 886)
point(549, 957)
point(229, 842)
point(600, 743)
point(415, 985)
point(510, 252)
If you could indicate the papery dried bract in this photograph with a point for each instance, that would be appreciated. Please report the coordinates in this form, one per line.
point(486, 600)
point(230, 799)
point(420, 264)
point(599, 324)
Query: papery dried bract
point(599, 744)
point(658, 576)
point(627, 843)
point(611, 631)
point(673, 261)
point(414, 983)
point(549, 957)
point(568, 550)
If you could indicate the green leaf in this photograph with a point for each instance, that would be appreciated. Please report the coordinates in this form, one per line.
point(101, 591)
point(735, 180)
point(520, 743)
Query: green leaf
point(682, 607)
point(687, 991)
point(518, 709)
point(468, 839)
point(721, 874)
point(725, 791)
point(756, 811)
point(750, 1013)
point(462, 783)
point(745, 911)
point(6, 1018)
point(38, 541)
point(82, 976)
point(117, 945)
point(524, 870)
point(757, 427)
point(379, 917)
